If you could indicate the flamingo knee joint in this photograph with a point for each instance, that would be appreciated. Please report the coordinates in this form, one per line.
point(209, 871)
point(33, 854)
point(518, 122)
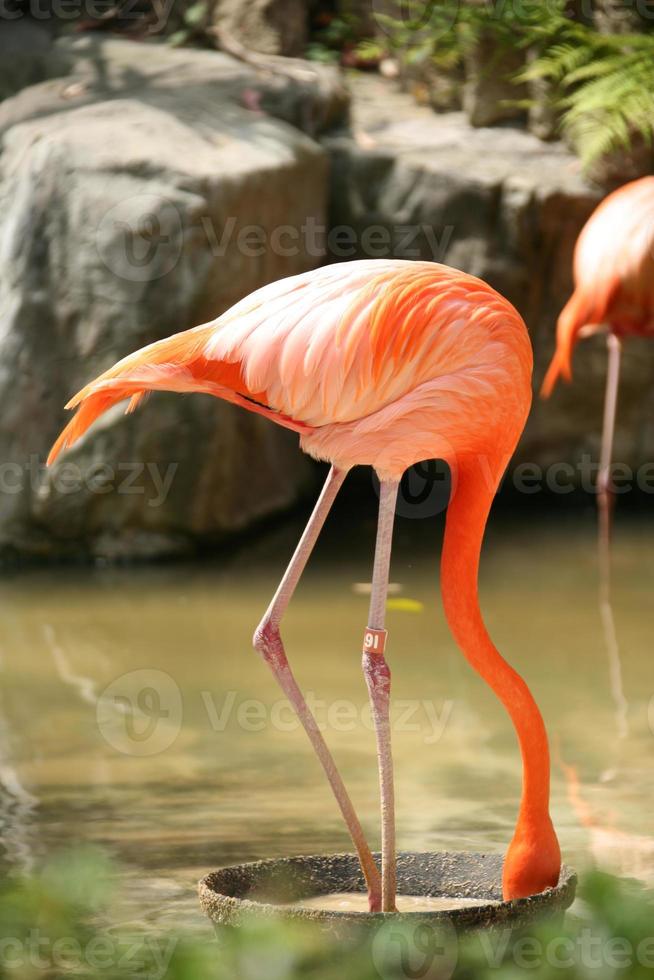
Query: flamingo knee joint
point(267, 641)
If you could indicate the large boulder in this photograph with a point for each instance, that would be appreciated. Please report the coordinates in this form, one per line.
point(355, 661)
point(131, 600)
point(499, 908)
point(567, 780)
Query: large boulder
point(504, 206)
point(139, 196)
point(28, 54)
point(309, 96)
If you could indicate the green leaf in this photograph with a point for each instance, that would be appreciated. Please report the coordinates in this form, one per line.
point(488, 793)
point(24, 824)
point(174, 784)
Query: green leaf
point(196, 14)
point(178, 38)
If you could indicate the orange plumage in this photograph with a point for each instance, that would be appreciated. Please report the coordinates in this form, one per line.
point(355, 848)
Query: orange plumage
point(613, 275)
point(383, 363)
point(374, 362)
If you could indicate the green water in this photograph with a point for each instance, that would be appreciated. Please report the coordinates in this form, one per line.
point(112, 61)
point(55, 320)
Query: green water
point(195, 761)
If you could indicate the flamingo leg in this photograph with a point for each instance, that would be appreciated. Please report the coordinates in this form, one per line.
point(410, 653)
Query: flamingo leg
point(268, 642)
point(605, 502)
point(604, 493)
point(378, 680)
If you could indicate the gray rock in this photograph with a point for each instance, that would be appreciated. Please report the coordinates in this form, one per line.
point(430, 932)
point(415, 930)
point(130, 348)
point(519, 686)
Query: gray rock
point(431, 85)
point(621, 164)
point(28, 56)
point(501, 205)
point(618, 17)
point(126, 200)
point(488, 92)
point(308, 96)
point(543, 117)
point(269, 26)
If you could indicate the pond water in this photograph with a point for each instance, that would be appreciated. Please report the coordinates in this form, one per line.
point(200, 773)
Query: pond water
point(358, 902)
point(134, 715)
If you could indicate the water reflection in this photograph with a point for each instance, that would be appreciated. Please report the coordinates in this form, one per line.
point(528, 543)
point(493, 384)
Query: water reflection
point(610, 634)
point(232, 777)
point(17, 810)
point(611, 849)
point(84, 686)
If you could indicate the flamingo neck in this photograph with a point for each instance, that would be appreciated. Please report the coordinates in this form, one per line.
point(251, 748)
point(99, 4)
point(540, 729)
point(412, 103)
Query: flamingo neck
point(466, 521)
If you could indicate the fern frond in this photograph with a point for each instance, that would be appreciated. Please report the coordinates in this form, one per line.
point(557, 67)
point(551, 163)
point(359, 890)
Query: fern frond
point(602, 85)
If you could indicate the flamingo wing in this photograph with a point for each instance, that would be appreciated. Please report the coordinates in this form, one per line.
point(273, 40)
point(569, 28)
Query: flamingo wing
point(329, 346)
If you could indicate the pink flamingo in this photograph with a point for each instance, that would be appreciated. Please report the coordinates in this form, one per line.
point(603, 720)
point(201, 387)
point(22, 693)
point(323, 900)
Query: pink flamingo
point(614, 291)
point(382, 363)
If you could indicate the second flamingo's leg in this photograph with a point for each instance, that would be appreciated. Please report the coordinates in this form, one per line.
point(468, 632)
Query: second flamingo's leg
point(378, 680)
point(268, 642)
point(605, 507)
point(604, 491)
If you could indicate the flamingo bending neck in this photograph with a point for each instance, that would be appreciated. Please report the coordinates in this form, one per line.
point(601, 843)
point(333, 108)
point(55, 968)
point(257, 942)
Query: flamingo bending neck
point(533, 859)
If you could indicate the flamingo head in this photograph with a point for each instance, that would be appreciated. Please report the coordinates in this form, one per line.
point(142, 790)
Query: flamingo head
point(533, 861)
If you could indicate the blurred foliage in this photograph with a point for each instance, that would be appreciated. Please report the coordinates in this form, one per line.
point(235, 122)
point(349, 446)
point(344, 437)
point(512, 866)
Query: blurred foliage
point(335, 32)
point(602, 85)
point(178, 21)
point(328, 40)
point(64, 922)
point(196, 20)
point(444, 31)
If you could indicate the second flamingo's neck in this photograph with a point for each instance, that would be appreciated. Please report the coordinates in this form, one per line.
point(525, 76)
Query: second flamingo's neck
point(533, 859)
